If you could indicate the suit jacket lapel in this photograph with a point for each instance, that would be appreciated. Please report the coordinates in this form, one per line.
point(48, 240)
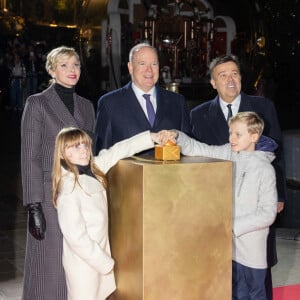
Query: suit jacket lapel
point(79, 112)
point(217, 122)
point(59, 109)
point(163, 104)
point(245, 104)
point(159, 106)
point(133, 105)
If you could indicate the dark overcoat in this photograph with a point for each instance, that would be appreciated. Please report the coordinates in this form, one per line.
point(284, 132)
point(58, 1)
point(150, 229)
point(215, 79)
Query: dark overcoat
point(210, 126)
point(120, 115)
point(43, 117)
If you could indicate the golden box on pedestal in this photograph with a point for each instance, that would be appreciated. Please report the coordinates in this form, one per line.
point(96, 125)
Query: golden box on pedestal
point(167, 152)
point(171, 228)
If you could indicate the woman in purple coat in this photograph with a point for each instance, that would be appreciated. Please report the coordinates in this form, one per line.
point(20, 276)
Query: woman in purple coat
point(45, 114)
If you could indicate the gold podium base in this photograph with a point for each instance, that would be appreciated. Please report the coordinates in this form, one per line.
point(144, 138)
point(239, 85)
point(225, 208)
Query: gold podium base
point(170, 229)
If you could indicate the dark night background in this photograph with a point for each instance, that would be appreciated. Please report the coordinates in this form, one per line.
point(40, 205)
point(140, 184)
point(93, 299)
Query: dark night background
point(280, 20)
point(277, 20)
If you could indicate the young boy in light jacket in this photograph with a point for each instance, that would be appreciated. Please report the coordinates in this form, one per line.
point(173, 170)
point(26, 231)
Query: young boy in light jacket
point(255, 198)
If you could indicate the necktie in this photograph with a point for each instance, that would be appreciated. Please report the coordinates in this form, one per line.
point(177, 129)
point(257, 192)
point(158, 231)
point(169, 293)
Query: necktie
point(229, 112)
point(150, 109)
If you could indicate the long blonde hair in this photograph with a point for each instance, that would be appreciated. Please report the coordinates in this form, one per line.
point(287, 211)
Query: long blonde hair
point(69, 137)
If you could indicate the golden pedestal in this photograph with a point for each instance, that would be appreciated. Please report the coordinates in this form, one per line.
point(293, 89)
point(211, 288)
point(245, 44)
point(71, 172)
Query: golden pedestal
point(170, 228)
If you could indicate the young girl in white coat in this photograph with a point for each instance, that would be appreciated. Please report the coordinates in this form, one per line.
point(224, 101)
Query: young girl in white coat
point(79, 194)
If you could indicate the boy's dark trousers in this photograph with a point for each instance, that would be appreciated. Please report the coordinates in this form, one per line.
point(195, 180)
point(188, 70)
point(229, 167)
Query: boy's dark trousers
point(248, 283)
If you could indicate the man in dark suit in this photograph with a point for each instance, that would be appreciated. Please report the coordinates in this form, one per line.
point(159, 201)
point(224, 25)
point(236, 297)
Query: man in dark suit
point(209, 125)
point(125, 112)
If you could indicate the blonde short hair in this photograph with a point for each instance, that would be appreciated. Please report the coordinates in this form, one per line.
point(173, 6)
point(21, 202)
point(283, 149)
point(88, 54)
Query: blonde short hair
point(254, 122)
point(58, 53)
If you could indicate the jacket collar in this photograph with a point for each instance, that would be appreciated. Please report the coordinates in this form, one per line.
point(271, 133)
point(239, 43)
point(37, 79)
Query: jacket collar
point(59, 109)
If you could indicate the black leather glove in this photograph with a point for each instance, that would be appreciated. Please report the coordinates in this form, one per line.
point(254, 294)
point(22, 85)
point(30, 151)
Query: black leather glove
point(36, 220)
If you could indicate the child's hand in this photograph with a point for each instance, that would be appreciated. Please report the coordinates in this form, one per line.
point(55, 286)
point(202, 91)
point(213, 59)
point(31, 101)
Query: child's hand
point(163, 136)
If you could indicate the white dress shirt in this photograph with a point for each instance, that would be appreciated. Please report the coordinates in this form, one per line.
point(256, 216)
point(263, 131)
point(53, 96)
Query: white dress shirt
point(235, 105)
point(139, 95)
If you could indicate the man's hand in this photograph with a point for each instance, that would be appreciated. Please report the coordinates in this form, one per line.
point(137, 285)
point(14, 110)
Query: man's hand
point(164, 136)
point(36, 221)
point(280, 207)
